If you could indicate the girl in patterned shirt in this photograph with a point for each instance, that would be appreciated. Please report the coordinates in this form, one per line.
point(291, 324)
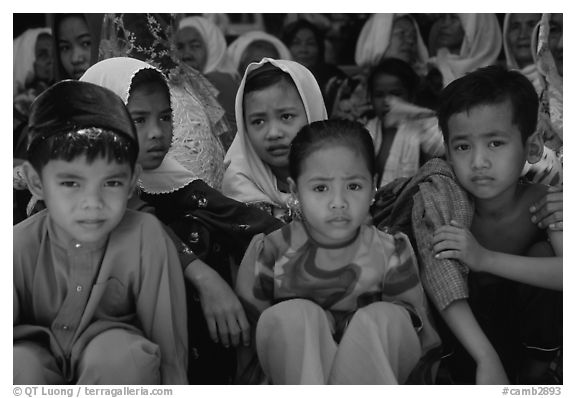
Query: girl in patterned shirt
point(332, 299)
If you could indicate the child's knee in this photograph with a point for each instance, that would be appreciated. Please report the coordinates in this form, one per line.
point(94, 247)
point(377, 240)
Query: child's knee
point(31, 365)
point(119, 356)
point(290, 312)
point(383, 315)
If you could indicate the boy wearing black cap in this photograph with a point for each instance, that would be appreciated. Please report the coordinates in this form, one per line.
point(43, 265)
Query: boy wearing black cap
point(98, 290)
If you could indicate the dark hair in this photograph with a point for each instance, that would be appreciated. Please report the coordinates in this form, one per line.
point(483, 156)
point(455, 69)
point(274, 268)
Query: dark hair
point(262, 45)
point(324, 133)
point(93, 142)
point(398, 68)
point(293, 28)
point(146, 76)
point(264, 77)
point(487, 86)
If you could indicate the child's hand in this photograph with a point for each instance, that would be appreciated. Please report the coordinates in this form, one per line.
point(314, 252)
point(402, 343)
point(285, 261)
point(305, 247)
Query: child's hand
point(456, 242)
point(491, 372)
point(548, 211)
point(225, 317)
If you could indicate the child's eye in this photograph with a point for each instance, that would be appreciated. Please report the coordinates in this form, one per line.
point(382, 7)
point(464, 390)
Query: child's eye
point(354, 186)
point(166, 118)
point(496, 144)
point(63, 47)
point(462, 147)
point(320, 188)
point(139, 120)
point(287, 116)
point(86, 43)
point(114, 183)
point(257, 122)
point(69, 184)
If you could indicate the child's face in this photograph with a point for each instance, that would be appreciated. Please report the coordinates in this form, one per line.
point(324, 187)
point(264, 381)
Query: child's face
point(273, 116)
point(149, 107)
point(86, 200)
point(385, 85)
point(74, 46)
point(304, 48)
point(402, 41)
point(519, 36)
point(43, 58)
point(190, 48)
point(485, 150)
point(335, 190)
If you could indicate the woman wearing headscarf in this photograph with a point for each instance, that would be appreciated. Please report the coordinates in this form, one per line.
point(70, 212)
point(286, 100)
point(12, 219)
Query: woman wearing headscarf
point(461, 43)
point(391, 36)
point(202, 45)
point(253, 46)
point(197, 116)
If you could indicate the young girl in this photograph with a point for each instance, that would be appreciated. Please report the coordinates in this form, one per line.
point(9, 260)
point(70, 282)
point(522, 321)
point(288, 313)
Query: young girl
point(76, 38)
point(336, 300)
point(211, 228)
point(404, 135)
point(275, 99)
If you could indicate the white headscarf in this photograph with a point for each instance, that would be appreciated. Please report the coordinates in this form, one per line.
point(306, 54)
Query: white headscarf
point(116, 74)
point(480, 47)
point(214, 41)
point(247, 179)
point(24, 56)
point(374, 40)
point(530, 70)
point(237, 48)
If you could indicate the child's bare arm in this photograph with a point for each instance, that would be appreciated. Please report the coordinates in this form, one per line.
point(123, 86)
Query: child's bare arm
point(454, 241)
point(463, 324)
point(225, 317)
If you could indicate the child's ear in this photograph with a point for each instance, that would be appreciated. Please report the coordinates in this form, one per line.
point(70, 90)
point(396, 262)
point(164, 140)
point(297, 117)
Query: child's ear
point(135, 176)
point(33, 180)
point(534, 148)
point(292, 185)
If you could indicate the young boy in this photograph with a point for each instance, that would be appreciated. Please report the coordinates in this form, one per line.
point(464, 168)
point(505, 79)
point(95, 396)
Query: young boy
point(98, 290)
point(510, 323)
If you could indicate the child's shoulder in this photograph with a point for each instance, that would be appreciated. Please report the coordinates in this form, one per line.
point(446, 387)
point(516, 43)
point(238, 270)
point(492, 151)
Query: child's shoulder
point(144, 224)
point(29, 230)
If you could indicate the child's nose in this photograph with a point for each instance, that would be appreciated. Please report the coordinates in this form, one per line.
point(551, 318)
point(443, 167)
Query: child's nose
point(275, 131)
point(93, 199)
point(479, 159)
point(338, 201)
point(78, 55)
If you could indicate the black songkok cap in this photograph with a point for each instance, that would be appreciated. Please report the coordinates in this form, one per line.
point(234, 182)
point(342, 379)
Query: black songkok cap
point(72, 105)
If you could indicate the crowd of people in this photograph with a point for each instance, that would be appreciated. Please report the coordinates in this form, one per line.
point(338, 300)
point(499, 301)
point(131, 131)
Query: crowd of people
point(195, 204)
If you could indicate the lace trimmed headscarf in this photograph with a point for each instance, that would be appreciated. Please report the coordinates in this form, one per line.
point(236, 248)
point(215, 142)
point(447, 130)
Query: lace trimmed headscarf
point(198, 118)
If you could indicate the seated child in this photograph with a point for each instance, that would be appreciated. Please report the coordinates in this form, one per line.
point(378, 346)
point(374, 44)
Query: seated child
point(275, 99)
point(335, 300)
point(210, 227)
point(404, 135)
point(506, 318)
point(98, 292)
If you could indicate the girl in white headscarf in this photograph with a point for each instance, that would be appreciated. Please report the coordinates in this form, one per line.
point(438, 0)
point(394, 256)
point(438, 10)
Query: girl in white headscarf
point(210, 228)
point(391, 36)
point(461, 43)
point(202, 45)
point(271, 107)
point(253, 46)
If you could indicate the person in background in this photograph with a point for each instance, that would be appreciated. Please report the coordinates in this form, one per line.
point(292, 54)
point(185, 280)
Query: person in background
point(98, 292)
point(333, 299)
point(32, 74)
point(76, 40)
point(391, 36)
point(253, 46)
point(306, 43)
point(405, 135)
point(275, 99)
point(201, 45)
point(461, 43)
